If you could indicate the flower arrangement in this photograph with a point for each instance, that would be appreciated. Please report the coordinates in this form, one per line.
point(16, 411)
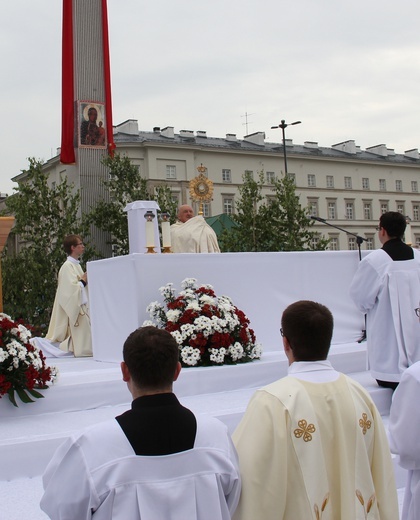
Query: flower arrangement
point(209, 329)
point(22, 366)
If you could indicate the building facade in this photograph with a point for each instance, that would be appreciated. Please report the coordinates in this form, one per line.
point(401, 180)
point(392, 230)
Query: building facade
point(344, 185)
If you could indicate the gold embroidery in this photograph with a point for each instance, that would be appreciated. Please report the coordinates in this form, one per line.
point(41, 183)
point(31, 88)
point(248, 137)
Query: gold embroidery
point(370, 502)
point(318, 514)
point(304, 429)
point(364, 423)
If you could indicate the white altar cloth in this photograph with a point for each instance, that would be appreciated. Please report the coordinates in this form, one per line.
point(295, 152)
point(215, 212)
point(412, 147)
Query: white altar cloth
point(260, 284)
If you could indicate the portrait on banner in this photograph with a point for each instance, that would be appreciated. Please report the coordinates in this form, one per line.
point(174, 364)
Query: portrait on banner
point(91, 124)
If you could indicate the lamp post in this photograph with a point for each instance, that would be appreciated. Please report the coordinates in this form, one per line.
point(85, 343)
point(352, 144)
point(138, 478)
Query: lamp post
point(283, 125)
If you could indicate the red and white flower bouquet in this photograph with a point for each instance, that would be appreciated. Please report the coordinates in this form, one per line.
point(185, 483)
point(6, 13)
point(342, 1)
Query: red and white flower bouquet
point(22, 366)
point(209, 329)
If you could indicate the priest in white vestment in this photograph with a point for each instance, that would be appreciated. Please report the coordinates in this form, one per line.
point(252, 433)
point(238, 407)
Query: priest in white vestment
point(156, 461)
point(70, 321)
point(386, 287)
point(192, 234)
point(312, 445)
point(404, 433)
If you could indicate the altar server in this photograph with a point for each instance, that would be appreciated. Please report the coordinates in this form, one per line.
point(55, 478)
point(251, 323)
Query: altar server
point(404, 430)
point(192, 234)
point(155, 461)
point(312, 445)
point(70, 322)
point(386, 287)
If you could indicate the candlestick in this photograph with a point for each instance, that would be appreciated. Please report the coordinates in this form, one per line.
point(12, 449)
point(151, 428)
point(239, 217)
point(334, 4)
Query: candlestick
point(150, 232)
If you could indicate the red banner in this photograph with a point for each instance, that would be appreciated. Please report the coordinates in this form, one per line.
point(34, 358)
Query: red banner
point(67, 155)
point(107, 80)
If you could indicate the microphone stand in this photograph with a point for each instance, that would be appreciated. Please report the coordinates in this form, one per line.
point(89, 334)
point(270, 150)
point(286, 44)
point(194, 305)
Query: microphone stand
point(359, 241)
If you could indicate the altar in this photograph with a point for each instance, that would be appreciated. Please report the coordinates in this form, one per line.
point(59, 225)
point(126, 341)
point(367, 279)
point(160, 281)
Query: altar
point(260, 284)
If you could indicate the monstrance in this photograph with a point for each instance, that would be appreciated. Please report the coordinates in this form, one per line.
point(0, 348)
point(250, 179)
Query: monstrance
point(201, 188)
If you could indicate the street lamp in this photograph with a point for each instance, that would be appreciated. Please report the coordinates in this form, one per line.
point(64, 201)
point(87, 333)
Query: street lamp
point(283, 125)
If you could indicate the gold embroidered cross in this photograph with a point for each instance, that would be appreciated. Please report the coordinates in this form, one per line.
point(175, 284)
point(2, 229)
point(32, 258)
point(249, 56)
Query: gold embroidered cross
point(364, 423)
point(304, 429)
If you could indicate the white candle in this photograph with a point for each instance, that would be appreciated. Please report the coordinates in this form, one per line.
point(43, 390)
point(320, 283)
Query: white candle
point(166, 234)
point(408, 236)
point(150, 234)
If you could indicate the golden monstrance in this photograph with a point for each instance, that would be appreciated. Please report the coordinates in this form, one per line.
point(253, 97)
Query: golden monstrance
point(201, 188)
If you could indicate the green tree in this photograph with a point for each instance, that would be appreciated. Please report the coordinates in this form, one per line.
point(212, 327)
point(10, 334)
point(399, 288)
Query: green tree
point(43, 217)
point(276, 223)
point(125, 185)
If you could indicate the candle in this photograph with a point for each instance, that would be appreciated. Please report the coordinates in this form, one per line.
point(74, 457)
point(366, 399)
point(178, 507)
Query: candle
point(150, 233)
point(166, 234)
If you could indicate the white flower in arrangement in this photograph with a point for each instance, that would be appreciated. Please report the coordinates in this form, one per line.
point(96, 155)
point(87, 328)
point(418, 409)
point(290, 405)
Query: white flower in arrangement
point(208, 329)
point(148, 323)
point(3, 355)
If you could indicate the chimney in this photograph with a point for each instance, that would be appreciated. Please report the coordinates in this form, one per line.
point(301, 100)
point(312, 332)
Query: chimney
point(413, 154)
point(346, 146)
point(156, 129)
point(310, 144)
point(131, 127)
point(168, 132)
point(201, 133)
point(379, 149)
point(255, 138)
point(186, 133)
point(231, 137)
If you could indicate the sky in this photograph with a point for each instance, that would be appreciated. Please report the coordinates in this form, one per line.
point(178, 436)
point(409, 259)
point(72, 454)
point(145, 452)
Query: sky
point(346, 70)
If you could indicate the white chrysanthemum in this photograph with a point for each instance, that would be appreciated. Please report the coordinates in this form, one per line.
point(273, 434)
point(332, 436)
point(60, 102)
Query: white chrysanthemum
point(3, 315)
point(3, 355)
point(256, 352)
point(16, 362)
point(25, 334)
point(206, 299)
point(148, 323)
point(190, 355)
point(194, 305)
point(173, 315)
point(236, 351)
point(177, 336)
point(217, 355)
point(22, 353)
point(189, 283)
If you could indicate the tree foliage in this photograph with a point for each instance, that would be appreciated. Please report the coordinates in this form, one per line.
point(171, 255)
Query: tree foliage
point(43, 217)
point(276, 223)
point(125, 185)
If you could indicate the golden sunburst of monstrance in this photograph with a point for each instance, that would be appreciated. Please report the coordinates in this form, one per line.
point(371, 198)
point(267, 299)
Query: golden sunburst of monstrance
point(201, 188)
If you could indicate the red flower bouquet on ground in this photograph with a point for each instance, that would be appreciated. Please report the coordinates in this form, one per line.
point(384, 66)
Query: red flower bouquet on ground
point(22, 366)
point(209, 329)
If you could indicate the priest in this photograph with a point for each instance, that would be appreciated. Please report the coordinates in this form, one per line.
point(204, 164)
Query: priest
point(192, 234)
point(158, 460)
point(70, 321)
point(312, 445)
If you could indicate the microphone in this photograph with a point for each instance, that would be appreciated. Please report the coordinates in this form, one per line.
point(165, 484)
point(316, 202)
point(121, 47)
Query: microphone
point(319, 219)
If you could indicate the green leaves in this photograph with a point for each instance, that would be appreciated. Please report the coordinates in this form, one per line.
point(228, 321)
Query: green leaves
point(23, 395)
point(273, 223)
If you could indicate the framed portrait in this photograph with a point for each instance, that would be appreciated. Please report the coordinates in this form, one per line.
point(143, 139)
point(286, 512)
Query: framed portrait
point(91, 124)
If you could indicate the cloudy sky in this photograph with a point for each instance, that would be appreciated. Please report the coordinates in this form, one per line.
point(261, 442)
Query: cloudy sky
point(347, 70)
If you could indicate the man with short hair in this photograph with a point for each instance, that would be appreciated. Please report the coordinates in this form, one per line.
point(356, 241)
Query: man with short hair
point(155, 461)
point(70, 321)
point(386, 287)
point(192, 234)
point(312, 445)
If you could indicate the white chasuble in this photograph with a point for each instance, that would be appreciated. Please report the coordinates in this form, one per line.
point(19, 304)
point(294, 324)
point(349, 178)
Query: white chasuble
point(70, 322)
point(193, 236)
point(314, 450)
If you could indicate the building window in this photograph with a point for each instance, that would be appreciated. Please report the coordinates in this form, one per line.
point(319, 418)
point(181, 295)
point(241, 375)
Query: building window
point(398, 186)
point(384, 207)
point(206, 209)
point(314, 242)
point(417, 241)
point(292, 177)
point(332, 210)
point(416, 212)
point(313, 208)
point(330, 181)
point(271, 177)
point(401, 208)
point(350, 210)
point(367, 210)
point(311, 180)
point(347, 183)
point(365, 183)
point(352, 243)
point(370, 243)
point(170, 171)
point(228, 205)
point(382, 184)
point(333, 245)
point(414, 186)
point(249, 174)
point(226, 176)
